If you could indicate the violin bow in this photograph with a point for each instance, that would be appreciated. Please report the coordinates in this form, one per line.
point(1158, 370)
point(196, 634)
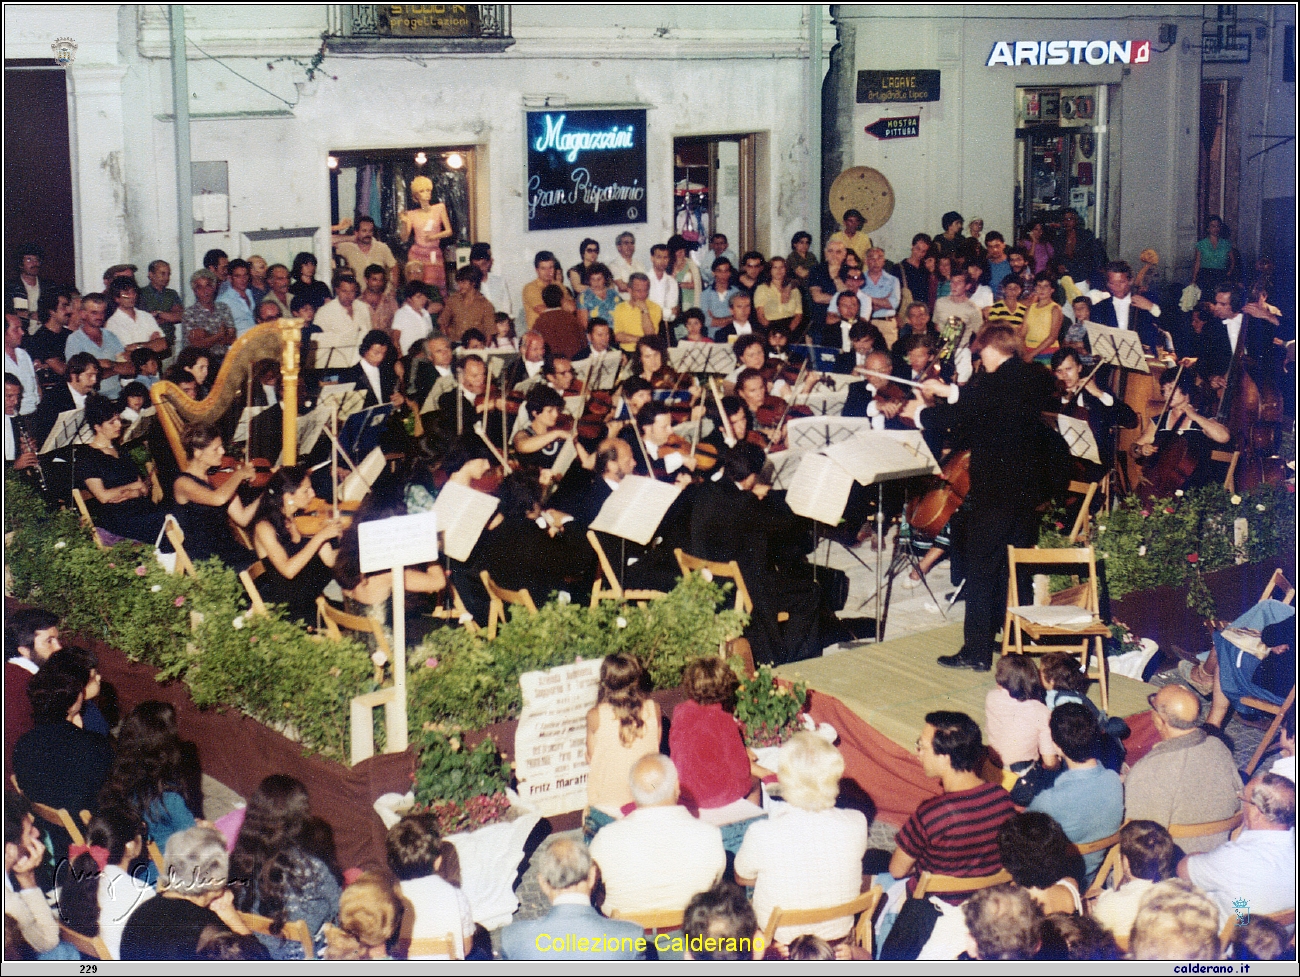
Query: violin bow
point(728, 433)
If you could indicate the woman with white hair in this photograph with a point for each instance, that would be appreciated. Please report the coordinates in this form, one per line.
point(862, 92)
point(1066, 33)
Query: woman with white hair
point(192, 895)
point(808, 853)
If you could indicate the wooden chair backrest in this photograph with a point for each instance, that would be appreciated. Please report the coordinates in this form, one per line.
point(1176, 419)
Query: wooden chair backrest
point(1078, 556)
point(730, 570)
point(54, 815)
point(606, 571)
point(1101, 844)
point(333, 619)
point(863, 905)
point(1110, 866)
point(500, 597)
point(1279, 713)
point(294, 929)
point(654, 921)
point(176, 536)
point(249, 579)
point(86, 521)
point(1089, 491)
point(1231, 457)
point(1205, 828)
point(1279, 581)
point(930, 882)
point(93, 947)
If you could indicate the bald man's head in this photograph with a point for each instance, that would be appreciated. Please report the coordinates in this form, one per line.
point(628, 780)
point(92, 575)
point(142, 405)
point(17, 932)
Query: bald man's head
point(879, 361)
point(654, 781)
point(1180, 709)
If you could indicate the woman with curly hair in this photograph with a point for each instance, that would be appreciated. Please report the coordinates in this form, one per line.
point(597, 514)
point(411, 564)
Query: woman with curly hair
point(621, 729)
point(281, 873)
point(369, 913)
point(147, 777)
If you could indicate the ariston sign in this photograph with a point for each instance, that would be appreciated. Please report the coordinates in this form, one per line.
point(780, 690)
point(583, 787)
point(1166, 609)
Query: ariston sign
point(1012, 54)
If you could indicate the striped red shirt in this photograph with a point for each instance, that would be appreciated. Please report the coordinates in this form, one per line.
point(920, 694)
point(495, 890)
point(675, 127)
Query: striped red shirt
point(957, 834)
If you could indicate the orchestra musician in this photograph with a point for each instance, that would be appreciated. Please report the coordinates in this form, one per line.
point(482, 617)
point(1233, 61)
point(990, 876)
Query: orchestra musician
point(865, 339)
point(999, 416)
point(659, 453)
point(1182, 430)
point(475, 405)
point(202, 507)
point(1089, 402)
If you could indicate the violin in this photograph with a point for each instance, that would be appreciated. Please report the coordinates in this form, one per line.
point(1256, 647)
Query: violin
point(314, 517)
point(229, 465)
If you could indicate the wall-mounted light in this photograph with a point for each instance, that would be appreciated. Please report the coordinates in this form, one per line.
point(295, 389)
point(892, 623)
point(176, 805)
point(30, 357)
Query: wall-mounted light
point(333, 162)
point(455, 160)
point(421, 158)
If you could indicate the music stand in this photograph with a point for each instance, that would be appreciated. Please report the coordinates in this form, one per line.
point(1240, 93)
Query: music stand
point(67, 430)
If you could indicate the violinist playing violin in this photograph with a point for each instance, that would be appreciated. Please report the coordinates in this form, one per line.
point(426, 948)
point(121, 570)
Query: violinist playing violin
point(768, 429)
point(475, 402)
point(1181, 430)
point(538, 445)
point(1082, 398)
point(660, 453)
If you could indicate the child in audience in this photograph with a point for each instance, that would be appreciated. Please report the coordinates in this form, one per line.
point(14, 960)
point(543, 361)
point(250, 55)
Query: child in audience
point(1017, 723)
point(622, 727)
point(1063, 681)
point(505, 336)
point(423, 862)
point(134, 399)
point(99, 891)
point(147, 366)
point(1147, 855)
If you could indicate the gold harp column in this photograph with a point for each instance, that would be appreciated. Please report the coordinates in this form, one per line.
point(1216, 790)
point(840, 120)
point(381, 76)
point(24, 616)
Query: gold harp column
point(290, 333)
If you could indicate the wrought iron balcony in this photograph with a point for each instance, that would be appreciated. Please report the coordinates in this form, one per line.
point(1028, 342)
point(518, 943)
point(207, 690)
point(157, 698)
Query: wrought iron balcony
point(420, 28)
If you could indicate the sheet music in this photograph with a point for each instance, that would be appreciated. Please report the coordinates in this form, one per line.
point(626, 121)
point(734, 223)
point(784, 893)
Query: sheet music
point(1078, 435)
point(599, 371)
point(440, 387)
point(914, 441)
point(824, 403)
point(310, 427)
point(635, 510)
point(785, 464)
point(141, 425)
point(690, 357)
point(69, 428)
point(331, 357)
point(819, 489)
point(334, 391)
point(812, 433)
point(241, 429)
point(872, 456)
point(359, 480)
point(1117, 346)
point(462, 514)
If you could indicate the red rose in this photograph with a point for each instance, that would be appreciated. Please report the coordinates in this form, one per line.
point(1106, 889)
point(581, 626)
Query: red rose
point(1193, 558)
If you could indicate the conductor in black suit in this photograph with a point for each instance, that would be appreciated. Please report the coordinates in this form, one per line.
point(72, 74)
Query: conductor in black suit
point(1127, 310)
point(998, 416)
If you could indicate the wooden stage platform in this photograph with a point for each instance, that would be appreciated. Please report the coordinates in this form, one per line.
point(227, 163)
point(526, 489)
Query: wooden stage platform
point(892, 685)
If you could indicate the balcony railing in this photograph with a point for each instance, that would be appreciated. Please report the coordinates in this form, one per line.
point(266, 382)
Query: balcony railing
point(422, 28)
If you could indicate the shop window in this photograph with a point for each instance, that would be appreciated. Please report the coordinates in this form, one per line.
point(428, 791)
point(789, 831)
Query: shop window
point(1060, 156)
point(715, 180)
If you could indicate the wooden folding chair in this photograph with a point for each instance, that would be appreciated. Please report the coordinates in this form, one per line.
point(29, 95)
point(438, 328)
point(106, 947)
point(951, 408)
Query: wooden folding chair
point(249, 579)
point(654, 921)
point(55, 815)
point(156, 494)
point(1089, 492)
point(1278, 582)
point(607, 575)
point(334, 619)
point(729, 570)
point(1109, 867)
point(294, 929)
point(241, 534)
point(100, 542)
point(500, 598)
point(1231, 457)
point(1279, 714)
point(176, 536)
point(432, 946)
point(1091, 636)
point(93, 947)
point(1177, 831)
point(863, 907)
point(955, 884)
point(457, 613)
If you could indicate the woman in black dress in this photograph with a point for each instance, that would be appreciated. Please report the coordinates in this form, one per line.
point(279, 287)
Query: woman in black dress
point(202, 507)
point(119, 498)
point(297, 567)
point(303, 283)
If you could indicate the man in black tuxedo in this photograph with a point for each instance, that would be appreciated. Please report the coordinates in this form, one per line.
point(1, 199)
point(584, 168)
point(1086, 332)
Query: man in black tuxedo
point(82, 375)
point(473, 384)
point(733, 520)
point(1127, 310)
point(998, 416)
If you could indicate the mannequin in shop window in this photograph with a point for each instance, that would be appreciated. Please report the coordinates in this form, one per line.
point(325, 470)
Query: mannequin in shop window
point(426, 225)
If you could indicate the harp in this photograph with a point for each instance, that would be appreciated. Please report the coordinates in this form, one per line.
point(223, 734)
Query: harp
point(276, 340)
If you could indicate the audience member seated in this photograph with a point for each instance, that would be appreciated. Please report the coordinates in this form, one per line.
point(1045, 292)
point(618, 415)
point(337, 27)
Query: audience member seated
point(58, 762)
point(658, 856)
point(717, 772)
point(622, 727)
point(1146, 857)
point(1261, 939)
point(24, 901)
point(369, 912)
point(1005, 923)
point(1266, 670)
point(282, 876)
point(808, 854)
point(297, 567)
point(1086, 799)
point(1175, 921)
point(566, 875)
point(1083, 937)
point(720, 925)
point(1259, 865)
point(1017, 723)
point(147, 778)
point(202, 508)
point(1188, 777)
point(31, 637)
point(119, 496)
point(428, 876)
point(1063, 681)
point(99, 891)
point(192, 896)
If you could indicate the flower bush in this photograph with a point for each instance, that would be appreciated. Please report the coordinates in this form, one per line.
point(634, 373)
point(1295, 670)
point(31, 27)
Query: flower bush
point(768, 707)
point(464, 788)
point(1176, 541)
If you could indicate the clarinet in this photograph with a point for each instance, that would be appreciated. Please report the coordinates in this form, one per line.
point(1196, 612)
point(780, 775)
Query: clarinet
point(28, 444)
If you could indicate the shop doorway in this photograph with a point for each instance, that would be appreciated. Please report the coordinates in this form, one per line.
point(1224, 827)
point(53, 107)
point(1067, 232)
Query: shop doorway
point(1060, 156)
point(715, 180)
point(1219, 168)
